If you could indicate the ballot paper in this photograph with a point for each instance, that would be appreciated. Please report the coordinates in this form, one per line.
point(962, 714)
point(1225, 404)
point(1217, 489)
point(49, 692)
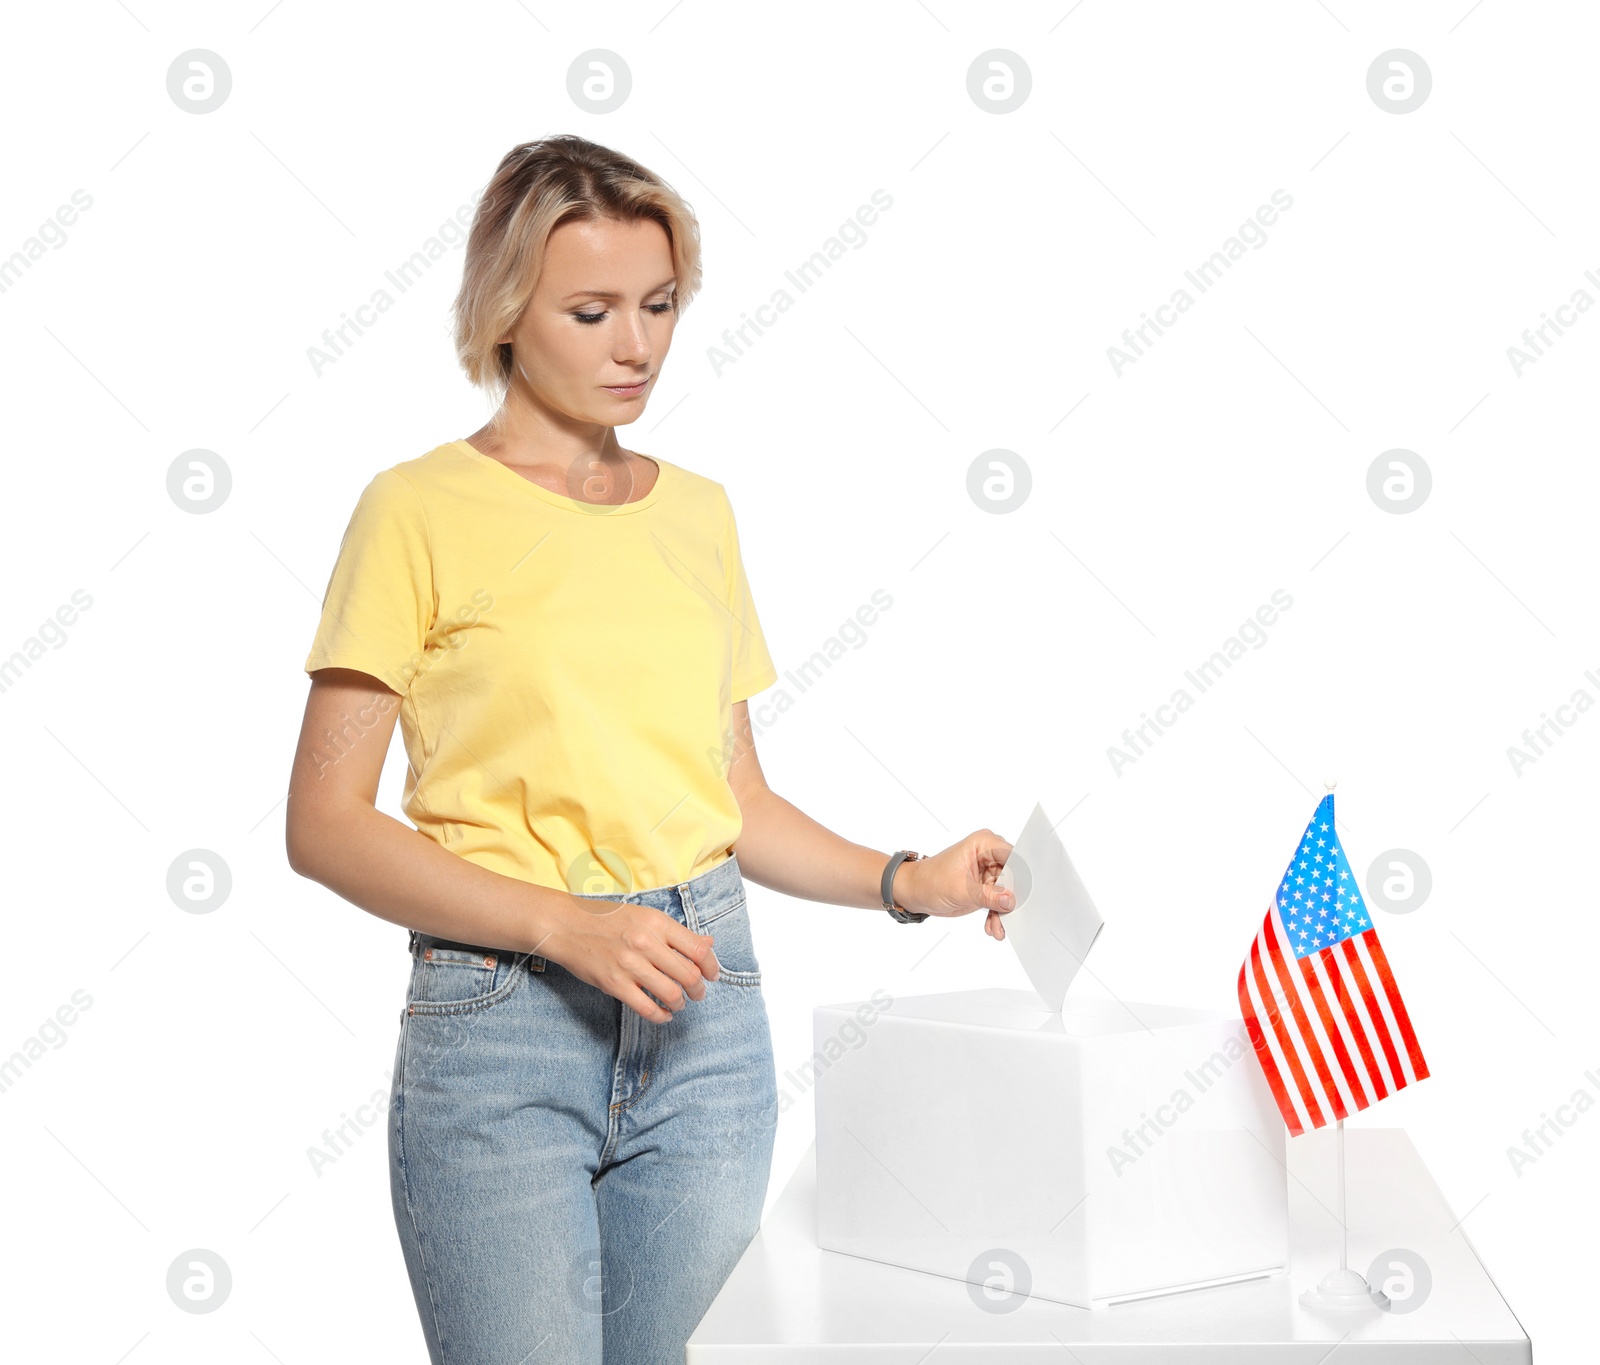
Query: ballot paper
point(1054, 923)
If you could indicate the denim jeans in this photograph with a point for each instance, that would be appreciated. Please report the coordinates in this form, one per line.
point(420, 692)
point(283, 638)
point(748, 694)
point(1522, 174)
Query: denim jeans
point(571, 1183)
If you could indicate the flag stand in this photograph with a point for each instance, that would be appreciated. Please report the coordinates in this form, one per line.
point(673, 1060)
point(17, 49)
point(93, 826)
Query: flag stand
point(1343, 1289)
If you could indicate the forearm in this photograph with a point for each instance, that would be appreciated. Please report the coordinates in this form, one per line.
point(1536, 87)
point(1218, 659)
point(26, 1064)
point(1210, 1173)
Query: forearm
point(400, 875)
point(782, 847)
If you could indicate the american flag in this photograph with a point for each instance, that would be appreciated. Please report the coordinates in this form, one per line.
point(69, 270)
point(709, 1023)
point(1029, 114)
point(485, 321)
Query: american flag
point(1329, 1027)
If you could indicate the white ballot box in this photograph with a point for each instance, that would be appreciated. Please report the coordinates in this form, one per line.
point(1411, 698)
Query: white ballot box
point(1107, 1152)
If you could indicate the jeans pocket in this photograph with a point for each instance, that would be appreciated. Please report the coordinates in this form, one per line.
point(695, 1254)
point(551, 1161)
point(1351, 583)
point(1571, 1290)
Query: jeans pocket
point(457, 978)
point(729, 927)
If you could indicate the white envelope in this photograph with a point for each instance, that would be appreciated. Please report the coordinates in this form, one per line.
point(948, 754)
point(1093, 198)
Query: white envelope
point(1054, 923)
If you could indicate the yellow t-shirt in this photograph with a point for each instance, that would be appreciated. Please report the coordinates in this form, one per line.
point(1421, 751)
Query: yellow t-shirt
point(567, 670)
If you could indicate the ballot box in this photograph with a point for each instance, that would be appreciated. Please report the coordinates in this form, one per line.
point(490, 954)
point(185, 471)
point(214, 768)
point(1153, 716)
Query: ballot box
point(1103, 1152)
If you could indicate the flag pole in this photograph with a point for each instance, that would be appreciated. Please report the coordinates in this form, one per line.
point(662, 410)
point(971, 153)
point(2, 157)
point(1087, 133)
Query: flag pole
point(1342, 1289)
point(1344, 1223)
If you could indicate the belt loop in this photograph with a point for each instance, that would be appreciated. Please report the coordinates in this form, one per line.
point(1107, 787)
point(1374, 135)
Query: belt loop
point(691, 918)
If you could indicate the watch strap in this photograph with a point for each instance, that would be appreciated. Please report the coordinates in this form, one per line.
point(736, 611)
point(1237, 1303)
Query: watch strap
point(886, 889)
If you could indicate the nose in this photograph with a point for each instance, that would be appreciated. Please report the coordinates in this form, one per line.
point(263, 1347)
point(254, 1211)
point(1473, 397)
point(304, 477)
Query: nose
point(631, 346)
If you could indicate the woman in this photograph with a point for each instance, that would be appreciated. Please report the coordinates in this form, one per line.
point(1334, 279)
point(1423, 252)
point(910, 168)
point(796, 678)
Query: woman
point(584, 1091)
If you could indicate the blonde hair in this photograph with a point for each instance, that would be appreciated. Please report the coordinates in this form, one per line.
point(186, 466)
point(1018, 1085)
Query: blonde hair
point(536, 188)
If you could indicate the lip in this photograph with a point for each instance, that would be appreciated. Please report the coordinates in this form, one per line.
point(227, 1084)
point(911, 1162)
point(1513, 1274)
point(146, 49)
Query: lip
point(627, 390)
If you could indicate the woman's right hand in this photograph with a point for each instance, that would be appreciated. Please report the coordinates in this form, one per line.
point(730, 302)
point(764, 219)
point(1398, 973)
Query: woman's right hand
point(627, 950)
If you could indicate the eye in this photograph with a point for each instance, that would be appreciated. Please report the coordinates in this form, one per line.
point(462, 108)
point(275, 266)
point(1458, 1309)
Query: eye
point(589, 319)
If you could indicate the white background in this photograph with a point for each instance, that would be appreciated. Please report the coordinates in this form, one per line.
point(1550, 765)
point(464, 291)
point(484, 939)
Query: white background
point(1230, 460)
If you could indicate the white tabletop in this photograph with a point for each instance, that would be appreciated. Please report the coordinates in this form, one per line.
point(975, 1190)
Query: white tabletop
point(787, 1301)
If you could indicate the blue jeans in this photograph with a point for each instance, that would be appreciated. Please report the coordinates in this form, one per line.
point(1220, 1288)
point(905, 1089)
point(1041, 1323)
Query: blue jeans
point(572, 1184)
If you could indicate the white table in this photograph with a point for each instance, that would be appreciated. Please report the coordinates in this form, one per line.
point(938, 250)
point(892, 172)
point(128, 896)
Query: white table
point(789, 1302)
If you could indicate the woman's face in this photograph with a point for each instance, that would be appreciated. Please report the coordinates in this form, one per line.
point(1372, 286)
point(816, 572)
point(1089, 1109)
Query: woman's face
point(600, 318)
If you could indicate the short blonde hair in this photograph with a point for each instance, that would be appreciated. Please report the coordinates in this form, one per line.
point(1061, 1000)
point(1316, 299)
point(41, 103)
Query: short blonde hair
point(537, 187)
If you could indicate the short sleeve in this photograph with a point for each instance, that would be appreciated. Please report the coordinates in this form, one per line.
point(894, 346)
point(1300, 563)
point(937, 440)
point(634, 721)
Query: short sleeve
point(379, 607)
point(753, 669)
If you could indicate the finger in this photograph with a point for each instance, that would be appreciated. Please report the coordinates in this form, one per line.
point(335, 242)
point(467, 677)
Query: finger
point(996, 898)
point(696, 947)
point(671, 992)
point(671, 966)
point(996, 926)
point(642, 1005)
point(990, 848)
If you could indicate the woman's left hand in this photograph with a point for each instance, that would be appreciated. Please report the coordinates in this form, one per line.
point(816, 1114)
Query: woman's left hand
point(959, 880)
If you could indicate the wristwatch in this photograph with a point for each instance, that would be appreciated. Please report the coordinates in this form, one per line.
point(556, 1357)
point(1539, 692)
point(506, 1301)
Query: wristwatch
point(899, 912)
